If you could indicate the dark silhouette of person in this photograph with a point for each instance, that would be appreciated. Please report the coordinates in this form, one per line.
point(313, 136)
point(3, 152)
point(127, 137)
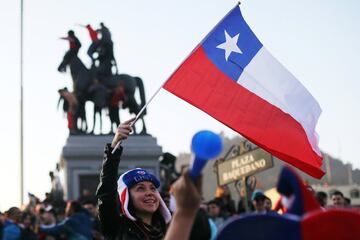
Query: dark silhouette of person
point(70, 106)
point(105, 33)
point(95, 42)
point(107, 45)
point(74, 46)
point(117, 95)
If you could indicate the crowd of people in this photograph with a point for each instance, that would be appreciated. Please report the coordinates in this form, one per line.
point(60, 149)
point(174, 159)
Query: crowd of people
point(131, 207)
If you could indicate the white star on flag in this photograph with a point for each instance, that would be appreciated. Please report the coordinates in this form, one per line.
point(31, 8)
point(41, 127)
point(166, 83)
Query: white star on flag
point(230, 45)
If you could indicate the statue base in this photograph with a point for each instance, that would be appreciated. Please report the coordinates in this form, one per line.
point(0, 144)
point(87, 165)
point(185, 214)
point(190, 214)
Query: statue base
point(82, 158)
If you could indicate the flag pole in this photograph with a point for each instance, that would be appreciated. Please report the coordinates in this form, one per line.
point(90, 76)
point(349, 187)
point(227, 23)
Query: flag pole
point(21, 104)
point(139, 114)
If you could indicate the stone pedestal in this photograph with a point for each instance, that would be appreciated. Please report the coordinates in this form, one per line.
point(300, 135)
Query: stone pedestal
point(82, 158)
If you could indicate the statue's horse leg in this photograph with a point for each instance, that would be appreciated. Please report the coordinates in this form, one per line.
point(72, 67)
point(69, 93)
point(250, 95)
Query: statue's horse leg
point(143, 131)
point(100, 114)
point(94, 120)
point(140, 86)
point(85, 125)
point(135, 108)
point(114, 117)
point(83, 122)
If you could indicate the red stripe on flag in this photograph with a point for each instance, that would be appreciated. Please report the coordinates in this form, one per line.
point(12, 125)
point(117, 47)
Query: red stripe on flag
point(199, 82)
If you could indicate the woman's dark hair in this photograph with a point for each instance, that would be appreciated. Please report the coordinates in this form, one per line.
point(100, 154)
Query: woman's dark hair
point(201, 228)
point(12, 211)
point(158, 219)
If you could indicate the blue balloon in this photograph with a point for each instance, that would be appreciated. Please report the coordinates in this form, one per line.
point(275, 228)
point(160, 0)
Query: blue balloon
point(205, 145)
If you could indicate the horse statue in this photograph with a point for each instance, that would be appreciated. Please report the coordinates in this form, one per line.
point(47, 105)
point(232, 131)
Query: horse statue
point(106, 90)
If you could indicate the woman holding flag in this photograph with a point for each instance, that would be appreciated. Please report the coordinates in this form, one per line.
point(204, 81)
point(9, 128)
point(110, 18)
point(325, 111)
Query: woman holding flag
point(129, 207)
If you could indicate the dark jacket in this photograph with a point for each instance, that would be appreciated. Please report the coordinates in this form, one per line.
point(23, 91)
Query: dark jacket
point(28, 234)
point(77, 227)
point(114, 224)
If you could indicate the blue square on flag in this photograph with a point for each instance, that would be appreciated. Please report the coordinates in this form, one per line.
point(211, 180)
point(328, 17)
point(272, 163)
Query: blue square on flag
point(231, 44)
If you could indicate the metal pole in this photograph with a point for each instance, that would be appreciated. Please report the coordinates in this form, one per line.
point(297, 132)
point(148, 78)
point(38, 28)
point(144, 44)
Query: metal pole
point(139, 114)
point(21, 105)
point(246, 192)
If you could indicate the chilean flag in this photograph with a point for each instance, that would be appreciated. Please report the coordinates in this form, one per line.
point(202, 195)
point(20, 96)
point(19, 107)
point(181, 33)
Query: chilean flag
point(231, 76)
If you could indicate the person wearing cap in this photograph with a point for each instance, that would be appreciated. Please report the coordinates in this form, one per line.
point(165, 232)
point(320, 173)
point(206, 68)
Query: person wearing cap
point(258, 200)
point(130, 207)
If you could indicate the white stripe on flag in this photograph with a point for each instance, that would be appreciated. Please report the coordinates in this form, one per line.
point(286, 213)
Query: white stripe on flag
point(267, 78)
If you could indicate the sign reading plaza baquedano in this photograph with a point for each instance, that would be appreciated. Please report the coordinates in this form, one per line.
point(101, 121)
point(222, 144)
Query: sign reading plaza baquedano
point(243, 165)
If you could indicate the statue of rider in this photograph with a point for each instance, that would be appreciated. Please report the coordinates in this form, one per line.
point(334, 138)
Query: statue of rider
point(74, 46)
point(106, 53)
point(95, 42)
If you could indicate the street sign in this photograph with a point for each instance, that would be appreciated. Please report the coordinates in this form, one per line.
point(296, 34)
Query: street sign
point(243, 165)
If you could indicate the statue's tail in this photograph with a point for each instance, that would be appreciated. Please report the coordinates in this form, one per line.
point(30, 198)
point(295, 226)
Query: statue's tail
point(140, 85)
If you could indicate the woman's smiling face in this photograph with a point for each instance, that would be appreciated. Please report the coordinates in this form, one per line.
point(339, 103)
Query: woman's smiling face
point(145, 198)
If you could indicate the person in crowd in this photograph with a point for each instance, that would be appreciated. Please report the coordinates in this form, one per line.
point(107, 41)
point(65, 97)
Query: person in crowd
point(214, 212)
point(212, 225)
point(47, 216)
point(90, 205)
point(268, 204)
point(223, 195)
point(258, 201)
point(48, 219)
point(337, 199)
point(141, 213)
point(12, 230)
point(74, 46)
point(28, 226)
point(57, 190)
point(87, 197)
point(241, 207)
point(347, 202)
point(322, 198)
point(201, 229)
point(77, 224)
point(2, 220)
point(188, 198)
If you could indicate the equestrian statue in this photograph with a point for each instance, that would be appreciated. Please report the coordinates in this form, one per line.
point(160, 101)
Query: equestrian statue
point(101, 84)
